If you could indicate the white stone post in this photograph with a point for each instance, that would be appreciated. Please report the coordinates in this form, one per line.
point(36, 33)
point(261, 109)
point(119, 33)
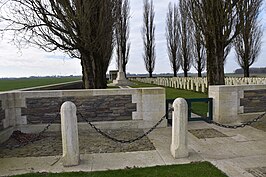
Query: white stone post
point(179, 147)
point(69, 130)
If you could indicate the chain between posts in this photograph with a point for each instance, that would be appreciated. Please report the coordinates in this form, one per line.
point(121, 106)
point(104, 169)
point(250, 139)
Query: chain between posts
point(125, 141)
point(37, 136)
point(241, 125)
point(49, 124)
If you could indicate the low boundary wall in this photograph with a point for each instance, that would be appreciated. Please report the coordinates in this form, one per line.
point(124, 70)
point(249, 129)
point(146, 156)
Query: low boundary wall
point(2, 116)
point(234, 104)
point(108, 108)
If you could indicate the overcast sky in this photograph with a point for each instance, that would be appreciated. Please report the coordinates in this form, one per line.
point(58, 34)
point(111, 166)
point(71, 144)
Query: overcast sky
point(35, 62)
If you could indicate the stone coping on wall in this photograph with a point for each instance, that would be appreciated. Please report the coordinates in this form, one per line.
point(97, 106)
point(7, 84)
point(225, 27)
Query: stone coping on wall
point(230, 88)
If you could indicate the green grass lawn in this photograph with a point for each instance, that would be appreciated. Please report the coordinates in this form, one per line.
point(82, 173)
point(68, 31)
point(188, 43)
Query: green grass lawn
point(172, 93)
point(199, 169)
point(12, 84)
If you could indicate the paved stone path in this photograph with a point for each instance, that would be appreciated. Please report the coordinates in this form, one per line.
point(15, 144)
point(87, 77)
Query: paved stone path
point(258, 172)
point(90, 142)
point(241, 153)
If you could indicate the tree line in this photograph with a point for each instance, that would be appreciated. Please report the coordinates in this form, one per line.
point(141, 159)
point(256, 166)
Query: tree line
point(252, 71)
point(199, 33)
point(202, 32)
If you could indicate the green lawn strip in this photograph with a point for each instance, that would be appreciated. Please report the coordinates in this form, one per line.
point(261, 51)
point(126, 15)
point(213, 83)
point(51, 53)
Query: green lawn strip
point(113, 87)
point(198, 169)
point(172, 93)
point(141, 84)
point(12, 84)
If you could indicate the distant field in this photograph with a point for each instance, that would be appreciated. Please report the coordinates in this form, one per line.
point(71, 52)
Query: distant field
point(13, 84)
point(241, 75)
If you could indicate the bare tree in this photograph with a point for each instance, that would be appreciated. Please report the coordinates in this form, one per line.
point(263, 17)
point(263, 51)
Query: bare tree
point(122, 33)
point(199, 51)
point(186, 39)
point(219, 26)
point(248, 42)
point(148, 35)
point(82, 29)
point(172, 36)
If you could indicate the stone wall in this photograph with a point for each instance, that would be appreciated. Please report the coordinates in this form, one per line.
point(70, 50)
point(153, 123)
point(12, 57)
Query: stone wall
point(254, 101)
point(135, 108)
point(93, 108)
point(236, 104)
point(2, 116)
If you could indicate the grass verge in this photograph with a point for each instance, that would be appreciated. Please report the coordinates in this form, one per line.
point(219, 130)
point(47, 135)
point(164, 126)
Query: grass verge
point(199, 169)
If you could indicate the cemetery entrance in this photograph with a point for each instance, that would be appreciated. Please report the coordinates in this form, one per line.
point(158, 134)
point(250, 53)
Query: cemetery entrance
point(199, 109)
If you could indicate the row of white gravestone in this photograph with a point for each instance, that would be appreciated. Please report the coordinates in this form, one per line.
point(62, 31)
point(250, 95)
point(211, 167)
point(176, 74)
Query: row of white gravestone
point(244, 80)
point(198, 84)
point(69, 128)
point(195, 84)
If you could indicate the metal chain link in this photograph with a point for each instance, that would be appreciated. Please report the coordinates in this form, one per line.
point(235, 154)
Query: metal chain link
point(35, 138)
point(124, 141)
point(38, 135)
point(49, 124)
point(241, 125)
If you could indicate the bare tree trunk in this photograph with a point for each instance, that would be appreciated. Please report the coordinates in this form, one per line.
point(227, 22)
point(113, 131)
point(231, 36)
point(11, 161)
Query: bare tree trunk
point(94, 76)
point(215, 72)
point(199, 71)
point(215, 66)
point(185, 73)
point(87, 72)
point(175, 68)
point(220, 71)
point(246, 71)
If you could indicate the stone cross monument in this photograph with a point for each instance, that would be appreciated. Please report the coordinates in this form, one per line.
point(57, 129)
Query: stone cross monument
point(121, 79)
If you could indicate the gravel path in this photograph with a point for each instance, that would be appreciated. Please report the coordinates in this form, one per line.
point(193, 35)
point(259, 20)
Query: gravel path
point(89, 142)
point(261, 124)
